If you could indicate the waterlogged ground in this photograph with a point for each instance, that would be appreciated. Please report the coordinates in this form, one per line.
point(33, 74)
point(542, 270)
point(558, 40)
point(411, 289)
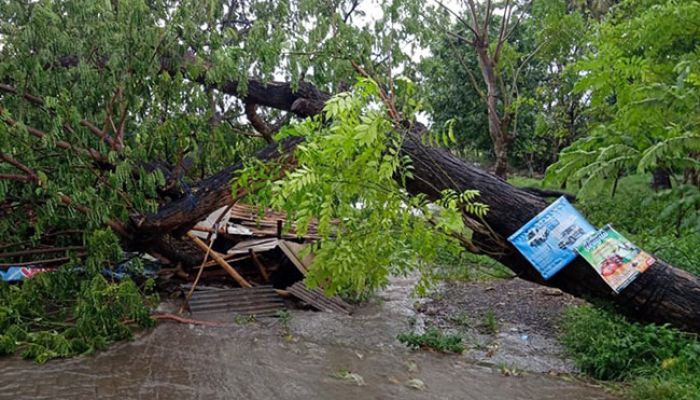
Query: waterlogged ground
point(310, 356)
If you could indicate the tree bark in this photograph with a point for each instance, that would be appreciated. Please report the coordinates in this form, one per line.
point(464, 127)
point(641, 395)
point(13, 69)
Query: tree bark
point(663, 294)
point(660, 179)
point(498, 126)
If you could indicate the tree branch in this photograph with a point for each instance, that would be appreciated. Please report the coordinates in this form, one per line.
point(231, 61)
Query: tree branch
point(502, 31)
point(12, 161)
point(460, 19)
point(90, 152)
point(258, 123)
point(16, 177)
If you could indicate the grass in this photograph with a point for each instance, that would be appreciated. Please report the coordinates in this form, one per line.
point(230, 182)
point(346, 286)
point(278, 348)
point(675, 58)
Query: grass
point(490, 323)
point(433, 339)
point(462, 319)
point(655, 362)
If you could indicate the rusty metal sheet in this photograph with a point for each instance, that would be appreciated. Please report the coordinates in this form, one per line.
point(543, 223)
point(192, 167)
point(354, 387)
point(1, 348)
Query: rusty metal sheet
point(318, 300)
point(248, 218)
point(260, 301)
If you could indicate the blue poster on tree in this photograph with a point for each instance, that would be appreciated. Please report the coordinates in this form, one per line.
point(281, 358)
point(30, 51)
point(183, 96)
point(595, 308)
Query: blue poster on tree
point(548, 240)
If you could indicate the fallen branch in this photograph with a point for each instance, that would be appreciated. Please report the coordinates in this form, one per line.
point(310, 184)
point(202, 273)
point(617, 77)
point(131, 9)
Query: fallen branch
point(182, 320)
point(30, 252)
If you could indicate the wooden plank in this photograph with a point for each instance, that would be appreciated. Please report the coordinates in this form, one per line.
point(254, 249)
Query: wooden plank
point(292, 250)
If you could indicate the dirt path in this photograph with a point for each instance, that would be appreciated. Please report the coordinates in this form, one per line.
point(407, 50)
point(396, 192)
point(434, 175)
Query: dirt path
point(512, 323)
point(311, 356)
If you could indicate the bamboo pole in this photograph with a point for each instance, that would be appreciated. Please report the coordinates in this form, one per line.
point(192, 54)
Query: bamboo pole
point(220, 260)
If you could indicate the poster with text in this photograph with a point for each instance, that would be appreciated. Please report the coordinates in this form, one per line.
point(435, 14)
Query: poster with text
point(548, 240)
point(617, 260)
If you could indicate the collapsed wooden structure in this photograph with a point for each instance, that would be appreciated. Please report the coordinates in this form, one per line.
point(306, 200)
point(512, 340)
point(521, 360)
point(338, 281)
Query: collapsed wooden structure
point(253, 250)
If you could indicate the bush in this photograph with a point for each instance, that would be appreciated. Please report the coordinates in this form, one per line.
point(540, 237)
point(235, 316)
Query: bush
point(67, 312)
point(432, 339)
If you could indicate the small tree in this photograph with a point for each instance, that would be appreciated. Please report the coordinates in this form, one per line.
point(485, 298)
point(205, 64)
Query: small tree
point(489, 30)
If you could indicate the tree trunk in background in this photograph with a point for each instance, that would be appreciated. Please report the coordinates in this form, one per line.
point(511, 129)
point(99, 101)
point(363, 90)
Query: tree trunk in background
point(663, 294)
point(660, 179)
point(501, 167)
point(498, 125)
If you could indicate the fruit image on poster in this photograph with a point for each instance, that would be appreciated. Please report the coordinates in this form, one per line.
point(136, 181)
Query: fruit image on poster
point(617, 260)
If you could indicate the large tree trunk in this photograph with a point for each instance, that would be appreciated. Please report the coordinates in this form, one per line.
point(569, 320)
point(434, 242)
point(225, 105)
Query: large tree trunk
point(663, 294)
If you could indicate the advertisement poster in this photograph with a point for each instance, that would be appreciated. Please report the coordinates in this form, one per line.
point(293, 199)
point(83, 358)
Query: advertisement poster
point(548, 241)
point(615, 258)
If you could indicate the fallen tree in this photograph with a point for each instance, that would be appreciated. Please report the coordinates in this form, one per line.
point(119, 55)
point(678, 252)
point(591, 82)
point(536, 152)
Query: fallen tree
point(123, 92)
point(663, 294)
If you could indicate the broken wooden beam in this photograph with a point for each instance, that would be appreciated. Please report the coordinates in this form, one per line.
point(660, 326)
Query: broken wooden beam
point(220, 260)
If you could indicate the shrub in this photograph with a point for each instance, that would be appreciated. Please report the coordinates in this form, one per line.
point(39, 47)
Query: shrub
point(658, 361)
point(432, 339)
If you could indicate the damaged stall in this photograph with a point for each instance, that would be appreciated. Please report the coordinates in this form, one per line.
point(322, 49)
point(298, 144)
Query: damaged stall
point(251, 263)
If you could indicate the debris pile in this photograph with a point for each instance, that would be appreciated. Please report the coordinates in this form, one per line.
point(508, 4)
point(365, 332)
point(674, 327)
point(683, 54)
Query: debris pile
point(253, 264)
point(263, 257)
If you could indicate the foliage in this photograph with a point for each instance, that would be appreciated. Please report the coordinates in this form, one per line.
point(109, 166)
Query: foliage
point(67, 312)
point(658, 361)
point(467, 267)
point(536, 70)
point(114, 108)
point(349, 179)
point(453, 60)
point(147, 77)
point(642, 77)
point(641, 215)
point(433, 339)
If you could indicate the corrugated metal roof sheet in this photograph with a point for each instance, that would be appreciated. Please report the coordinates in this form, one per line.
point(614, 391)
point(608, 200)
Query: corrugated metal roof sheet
point(317, 299)
point(258, 301)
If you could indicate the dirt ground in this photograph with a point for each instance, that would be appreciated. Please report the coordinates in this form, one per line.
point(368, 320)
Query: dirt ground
point(512, 323)
point(314, 355)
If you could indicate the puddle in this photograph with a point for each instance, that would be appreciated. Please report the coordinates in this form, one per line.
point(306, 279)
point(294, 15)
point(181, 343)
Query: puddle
point(314, 356)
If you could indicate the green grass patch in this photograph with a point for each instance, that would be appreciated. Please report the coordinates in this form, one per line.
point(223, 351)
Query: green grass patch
point(468, 267)
point(433, 339)
point(490, 323)
point(657, 362)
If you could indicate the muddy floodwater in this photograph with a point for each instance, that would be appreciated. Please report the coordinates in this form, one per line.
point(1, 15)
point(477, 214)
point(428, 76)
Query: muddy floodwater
point(310, 355)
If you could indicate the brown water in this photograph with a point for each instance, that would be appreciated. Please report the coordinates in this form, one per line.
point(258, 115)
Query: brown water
point(315, 356)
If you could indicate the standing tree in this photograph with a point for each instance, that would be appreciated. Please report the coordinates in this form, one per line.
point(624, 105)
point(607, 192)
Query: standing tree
point(489, 30)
